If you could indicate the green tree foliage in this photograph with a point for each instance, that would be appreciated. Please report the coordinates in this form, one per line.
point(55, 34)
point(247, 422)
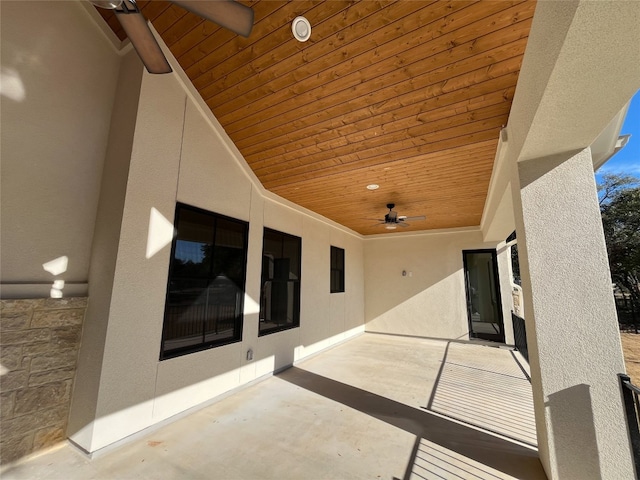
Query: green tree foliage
point(620, 207)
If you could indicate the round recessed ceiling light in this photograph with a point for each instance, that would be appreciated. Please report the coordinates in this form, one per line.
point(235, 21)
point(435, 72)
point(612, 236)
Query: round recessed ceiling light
point(301, 29)
point(373, 186)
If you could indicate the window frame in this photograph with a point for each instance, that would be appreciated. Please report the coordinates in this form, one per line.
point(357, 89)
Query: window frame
point(340, 268)
point(296, 324)
point(239, 320)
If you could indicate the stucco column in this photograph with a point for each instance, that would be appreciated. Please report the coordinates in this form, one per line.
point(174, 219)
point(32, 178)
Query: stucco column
point(572, 328)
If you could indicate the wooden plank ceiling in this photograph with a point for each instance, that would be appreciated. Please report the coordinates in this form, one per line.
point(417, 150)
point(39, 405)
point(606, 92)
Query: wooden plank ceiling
point(409, 95)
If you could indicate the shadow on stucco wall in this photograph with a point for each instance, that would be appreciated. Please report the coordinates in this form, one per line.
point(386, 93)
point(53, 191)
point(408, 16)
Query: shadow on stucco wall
point(573, 436)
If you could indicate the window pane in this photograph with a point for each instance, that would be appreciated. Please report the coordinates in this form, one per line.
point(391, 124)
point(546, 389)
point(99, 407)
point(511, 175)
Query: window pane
point(185, 309)
point(192, 257)
point(291, 251)
point(229, 258)
point(206, 286)
point(272, 248)
point(223, 309)
point(337, 270)
point(280, 289)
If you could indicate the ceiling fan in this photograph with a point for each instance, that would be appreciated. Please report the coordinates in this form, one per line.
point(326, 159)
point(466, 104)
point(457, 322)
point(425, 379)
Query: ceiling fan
point(227, 13)
point(391, 220)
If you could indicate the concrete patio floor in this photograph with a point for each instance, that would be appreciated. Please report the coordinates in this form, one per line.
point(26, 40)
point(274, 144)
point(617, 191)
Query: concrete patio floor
point(377, 406)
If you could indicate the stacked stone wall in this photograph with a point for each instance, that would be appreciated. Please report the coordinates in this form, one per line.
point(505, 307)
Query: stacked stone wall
point(39, 342)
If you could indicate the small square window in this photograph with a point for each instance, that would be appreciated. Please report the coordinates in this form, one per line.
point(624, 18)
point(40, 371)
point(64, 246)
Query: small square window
point(337, 270)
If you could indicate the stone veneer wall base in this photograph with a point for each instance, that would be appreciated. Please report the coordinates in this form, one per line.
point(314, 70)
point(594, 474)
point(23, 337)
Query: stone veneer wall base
point(39, 343)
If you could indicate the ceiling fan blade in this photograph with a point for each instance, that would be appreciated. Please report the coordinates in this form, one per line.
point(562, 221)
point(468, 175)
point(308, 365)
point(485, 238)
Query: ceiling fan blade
point(138, 31)
point(227, 13)
point(414, 219)
point(402, 224)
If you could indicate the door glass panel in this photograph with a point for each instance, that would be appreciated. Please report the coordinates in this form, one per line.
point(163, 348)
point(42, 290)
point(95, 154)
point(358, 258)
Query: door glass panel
point(483, 301)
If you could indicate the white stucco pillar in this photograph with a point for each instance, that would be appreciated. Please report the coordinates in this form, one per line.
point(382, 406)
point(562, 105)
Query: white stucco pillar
point(572, 329)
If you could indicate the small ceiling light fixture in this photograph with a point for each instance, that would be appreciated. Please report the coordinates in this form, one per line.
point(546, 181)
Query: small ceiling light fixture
point(390, 226)
point(301, 29)
point(373, 186)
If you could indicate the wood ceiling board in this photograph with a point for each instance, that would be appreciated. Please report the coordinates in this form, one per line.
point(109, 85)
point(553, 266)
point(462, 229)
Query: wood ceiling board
point(153, 9)
point(357, 76)
point(272, 47)
point(168, 18)
point(385, 99)
point(449, 138)
point(352, 51)
point(389, 116)
point(346, 201)
point(347, 150)
point(380, 113)
point(353, 204)
point(266, 34)
point(302, 172)
point(208, 32)
point(245, 83)
point(290, 64)
point(425, 177)
point(408, 95)
point(180, 29)
point(379, 135)
point(336, 127)
point(436, 167)
point(356, 210)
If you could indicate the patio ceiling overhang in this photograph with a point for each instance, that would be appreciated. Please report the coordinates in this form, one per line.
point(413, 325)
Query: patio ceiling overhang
point(410, 96)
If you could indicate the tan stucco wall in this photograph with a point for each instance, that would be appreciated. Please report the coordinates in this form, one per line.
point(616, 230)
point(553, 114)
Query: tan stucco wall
point(430, 300)
point(178, 155)
point(59, 78)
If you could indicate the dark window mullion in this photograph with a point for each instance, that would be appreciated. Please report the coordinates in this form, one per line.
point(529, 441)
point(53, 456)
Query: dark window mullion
point(282, 247)
point(206, 309)
point(211, 278)
point(212, 273)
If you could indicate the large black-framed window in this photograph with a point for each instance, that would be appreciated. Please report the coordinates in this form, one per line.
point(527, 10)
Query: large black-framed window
point(337, 270)
point(280, 286)
point(205, 292)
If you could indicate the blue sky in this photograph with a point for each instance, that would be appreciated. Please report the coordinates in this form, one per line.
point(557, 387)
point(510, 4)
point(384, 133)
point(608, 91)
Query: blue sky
point(627, 160)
